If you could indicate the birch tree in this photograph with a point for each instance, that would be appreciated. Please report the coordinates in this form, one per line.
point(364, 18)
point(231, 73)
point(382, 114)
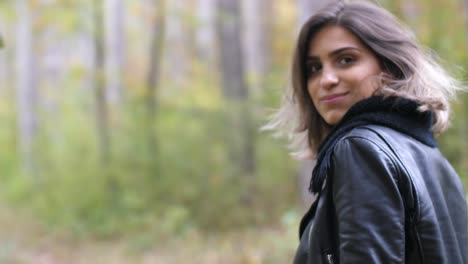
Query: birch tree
point(205, 33)
point(114, 49)
point(177, 41)
point(26, 86)
point(257, 40)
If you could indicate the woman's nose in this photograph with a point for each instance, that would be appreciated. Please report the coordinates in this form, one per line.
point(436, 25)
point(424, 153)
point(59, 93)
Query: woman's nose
point(329, 79)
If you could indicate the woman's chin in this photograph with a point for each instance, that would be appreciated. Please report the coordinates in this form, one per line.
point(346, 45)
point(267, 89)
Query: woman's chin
point(333, 118)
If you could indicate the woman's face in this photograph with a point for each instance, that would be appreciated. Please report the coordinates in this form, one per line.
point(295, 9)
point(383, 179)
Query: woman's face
point(340, 72)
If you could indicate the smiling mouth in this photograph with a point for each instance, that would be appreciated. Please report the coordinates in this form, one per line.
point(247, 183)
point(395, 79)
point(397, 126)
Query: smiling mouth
point(333, 98)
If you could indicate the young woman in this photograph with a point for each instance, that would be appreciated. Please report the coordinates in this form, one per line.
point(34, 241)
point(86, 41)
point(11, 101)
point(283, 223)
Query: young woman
point(366, 101)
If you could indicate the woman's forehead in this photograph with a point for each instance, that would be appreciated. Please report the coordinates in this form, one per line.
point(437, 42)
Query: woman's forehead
point(333, 38)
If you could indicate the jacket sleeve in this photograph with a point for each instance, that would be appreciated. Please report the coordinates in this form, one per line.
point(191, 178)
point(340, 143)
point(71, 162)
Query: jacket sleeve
point(369, 208)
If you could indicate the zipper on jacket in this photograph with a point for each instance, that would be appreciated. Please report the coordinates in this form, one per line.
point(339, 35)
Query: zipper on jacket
point(310, 235)
point(329, 256)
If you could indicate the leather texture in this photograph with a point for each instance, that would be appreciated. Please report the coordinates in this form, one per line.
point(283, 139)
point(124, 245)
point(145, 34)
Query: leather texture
point(388, 198)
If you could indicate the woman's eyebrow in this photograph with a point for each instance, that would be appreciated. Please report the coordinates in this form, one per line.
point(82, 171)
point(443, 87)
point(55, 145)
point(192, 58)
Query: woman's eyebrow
point(333, 53)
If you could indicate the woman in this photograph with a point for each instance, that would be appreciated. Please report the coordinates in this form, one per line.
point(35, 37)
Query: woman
point(366, 102)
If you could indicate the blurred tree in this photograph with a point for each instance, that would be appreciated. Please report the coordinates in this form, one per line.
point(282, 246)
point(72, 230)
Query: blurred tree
point(205, 32)
point(153, 77)
point(26, 86)
point(6, 71)
point(102, 118)
point(239, 132)
point(114, 21)
point(232, 69)
point(178, 40)
point(258, 22)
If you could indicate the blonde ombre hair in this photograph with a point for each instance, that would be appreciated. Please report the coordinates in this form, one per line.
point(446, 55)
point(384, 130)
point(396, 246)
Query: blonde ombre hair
point(409, 72)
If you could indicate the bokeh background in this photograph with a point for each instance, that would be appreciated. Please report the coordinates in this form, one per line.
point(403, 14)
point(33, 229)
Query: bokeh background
point(130, 129)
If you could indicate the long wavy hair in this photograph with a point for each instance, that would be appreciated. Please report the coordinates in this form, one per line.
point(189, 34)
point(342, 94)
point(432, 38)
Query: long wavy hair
point(409, 71)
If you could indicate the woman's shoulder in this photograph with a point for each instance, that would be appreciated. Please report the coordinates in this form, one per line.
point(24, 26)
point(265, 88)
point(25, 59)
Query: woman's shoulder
point(379, 144)
point(362, 146)
point(368, 136)
point(382, 137)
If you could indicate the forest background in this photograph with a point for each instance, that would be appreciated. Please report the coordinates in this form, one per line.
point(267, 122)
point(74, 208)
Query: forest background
point(130, 130)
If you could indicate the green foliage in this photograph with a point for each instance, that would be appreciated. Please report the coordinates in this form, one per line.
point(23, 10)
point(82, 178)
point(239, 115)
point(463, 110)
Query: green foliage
point(185, 180)
point(447, 38)
point(171, 173)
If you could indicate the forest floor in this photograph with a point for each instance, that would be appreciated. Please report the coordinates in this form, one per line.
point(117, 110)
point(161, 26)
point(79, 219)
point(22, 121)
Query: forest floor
point(24, 242)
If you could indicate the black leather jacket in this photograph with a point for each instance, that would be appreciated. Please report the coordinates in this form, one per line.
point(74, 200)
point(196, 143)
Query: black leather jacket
point(387, 199)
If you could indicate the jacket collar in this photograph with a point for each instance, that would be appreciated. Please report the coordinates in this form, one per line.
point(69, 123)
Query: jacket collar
point(394, 112)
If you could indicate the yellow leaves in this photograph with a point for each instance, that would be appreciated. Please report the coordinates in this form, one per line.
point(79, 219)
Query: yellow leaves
point(200, 90)
point(204, 97)
point(6, 106)
point(77, 72)
point(283, 27)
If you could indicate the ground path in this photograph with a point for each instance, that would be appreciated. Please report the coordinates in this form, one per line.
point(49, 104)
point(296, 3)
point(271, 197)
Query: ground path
point(24, 242)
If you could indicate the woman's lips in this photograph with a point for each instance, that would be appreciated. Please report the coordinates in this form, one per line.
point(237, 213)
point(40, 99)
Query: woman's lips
point(333, 98)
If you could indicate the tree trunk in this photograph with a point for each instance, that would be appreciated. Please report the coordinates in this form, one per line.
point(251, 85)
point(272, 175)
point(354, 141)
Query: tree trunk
point(6, 72)
point(156, 48)
point(102, 108)
point(257, 40)
point(178, 46)
point(115, 49)
point(205, 33)
point(26, 87)
point(240, 136)
point(232, 68)
point(102, 120)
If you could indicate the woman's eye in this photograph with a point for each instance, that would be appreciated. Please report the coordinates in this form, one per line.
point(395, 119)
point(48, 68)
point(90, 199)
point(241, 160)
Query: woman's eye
point(345, 60)
point(313, 68)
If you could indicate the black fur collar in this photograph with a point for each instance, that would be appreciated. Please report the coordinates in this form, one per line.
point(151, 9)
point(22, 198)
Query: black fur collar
point(394, 112)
